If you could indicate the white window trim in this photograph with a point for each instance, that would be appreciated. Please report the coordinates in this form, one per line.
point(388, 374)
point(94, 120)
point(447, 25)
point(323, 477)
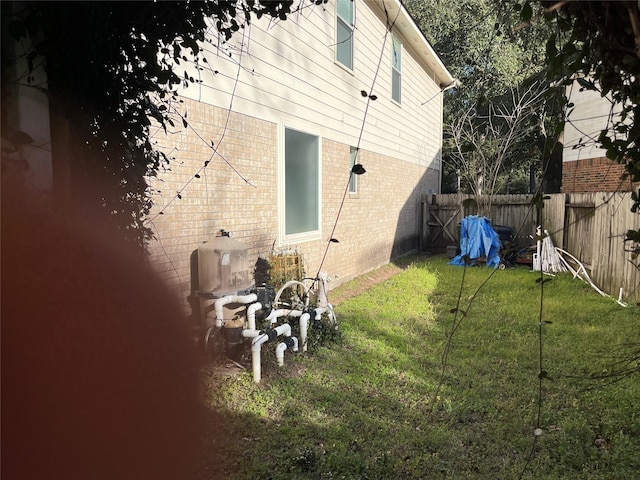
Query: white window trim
point(396, 39)
point(283, 238)
point(353, 45)
point(353, 177)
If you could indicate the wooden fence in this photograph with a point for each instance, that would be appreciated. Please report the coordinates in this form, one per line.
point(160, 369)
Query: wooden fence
point(590, 226)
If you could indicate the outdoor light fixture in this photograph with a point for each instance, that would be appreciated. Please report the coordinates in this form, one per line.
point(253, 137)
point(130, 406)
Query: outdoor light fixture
point(358, 169)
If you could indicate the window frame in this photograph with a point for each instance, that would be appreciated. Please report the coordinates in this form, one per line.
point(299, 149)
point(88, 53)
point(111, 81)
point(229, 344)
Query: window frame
point(396, 45)
point(301, 237)
point(353, 178)
point(348, 26)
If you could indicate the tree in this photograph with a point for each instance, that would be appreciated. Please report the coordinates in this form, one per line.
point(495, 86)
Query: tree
point(478, 40)
point(598, 43)
point(111, 68)
point(478, 44)
point(483, 140)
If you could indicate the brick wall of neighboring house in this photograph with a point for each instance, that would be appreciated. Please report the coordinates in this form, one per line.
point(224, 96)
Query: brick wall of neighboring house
point(376, 224)
point(594, 175)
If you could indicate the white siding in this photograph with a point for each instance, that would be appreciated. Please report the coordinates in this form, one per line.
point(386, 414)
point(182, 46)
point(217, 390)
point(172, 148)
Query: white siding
point(287, 75)
point(589, 117)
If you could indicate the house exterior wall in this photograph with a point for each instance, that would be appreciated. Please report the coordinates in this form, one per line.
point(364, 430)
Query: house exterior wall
point(283, 74)
point(379, 222)
point(589, 115)
point(585, 167)
point(287, 74)
point(598, 174)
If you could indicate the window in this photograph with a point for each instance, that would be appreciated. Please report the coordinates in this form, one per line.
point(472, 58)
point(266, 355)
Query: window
point(301, 185)
point(344, 32)
point(396, 69)
point(353, 182)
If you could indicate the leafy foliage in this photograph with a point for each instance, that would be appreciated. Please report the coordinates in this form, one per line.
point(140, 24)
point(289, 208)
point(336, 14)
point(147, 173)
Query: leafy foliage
point(483, 140)
point(478, 44)
point(598, 43)
point(483, 46)
point(111, 68)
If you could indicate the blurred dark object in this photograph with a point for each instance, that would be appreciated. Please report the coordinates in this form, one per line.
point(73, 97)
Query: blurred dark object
point(99, 377)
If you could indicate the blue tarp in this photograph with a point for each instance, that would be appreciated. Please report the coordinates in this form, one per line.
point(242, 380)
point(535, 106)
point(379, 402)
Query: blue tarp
point(478, 239)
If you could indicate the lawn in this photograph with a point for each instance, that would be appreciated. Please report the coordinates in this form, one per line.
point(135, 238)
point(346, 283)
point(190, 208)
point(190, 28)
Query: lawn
point(378, 402)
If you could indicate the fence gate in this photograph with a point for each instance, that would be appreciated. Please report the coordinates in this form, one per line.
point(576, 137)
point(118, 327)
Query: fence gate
point(578, 222)
point(440, 217)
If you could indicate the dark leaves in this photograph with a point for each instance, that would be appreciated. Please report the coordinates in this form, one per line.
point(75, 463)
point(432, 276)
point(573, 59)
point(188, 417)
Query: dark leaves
point(552, 50)
point(372, 97)
point(544, 375)
point(358, 169)
point(543, 280)
point(586, 84)
point(21, 138)
point(526, 12)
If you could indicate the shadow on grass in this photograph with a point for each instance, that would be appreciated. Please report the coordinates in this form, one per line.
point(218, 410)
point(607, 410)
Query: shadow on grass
point(346, 424)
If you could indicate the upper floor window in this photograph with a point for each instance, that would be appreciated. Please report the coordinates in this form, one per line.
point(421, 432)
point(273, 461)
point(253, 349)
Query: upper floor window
point(344, 32)
point(396, 69)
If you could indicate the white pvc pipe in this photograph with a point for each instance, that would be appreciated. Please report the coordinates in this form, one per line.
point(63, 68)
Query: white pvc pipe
point(252, 331)
point(584, 276)
point(329, 310)
point(280, 349)
point(221, 302)
point(251, 314)
point(282, 312)
point(322, 290)
point(291, 283)
point(304, 328)
point(319, 311)
point(256, 346)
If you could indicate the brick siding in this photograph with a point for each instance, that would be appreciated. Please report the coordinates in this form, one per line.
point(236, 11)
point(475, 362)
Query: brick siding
point(379, 222)
point(594, 175)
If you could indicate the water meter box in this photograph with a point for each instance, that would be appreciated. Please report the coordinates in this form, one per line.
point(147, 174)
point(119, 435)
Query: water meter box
point(223, 266)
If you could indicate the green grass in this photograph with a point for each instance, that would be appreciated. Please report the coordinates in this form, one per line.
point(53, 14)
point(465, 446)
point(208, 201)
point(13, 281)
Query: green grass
point(364, 407)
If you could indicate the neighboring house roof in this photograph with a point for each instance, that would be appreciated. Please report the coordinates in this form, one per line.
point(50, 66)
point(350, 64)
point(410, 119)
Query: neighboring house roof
point(406, 26)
